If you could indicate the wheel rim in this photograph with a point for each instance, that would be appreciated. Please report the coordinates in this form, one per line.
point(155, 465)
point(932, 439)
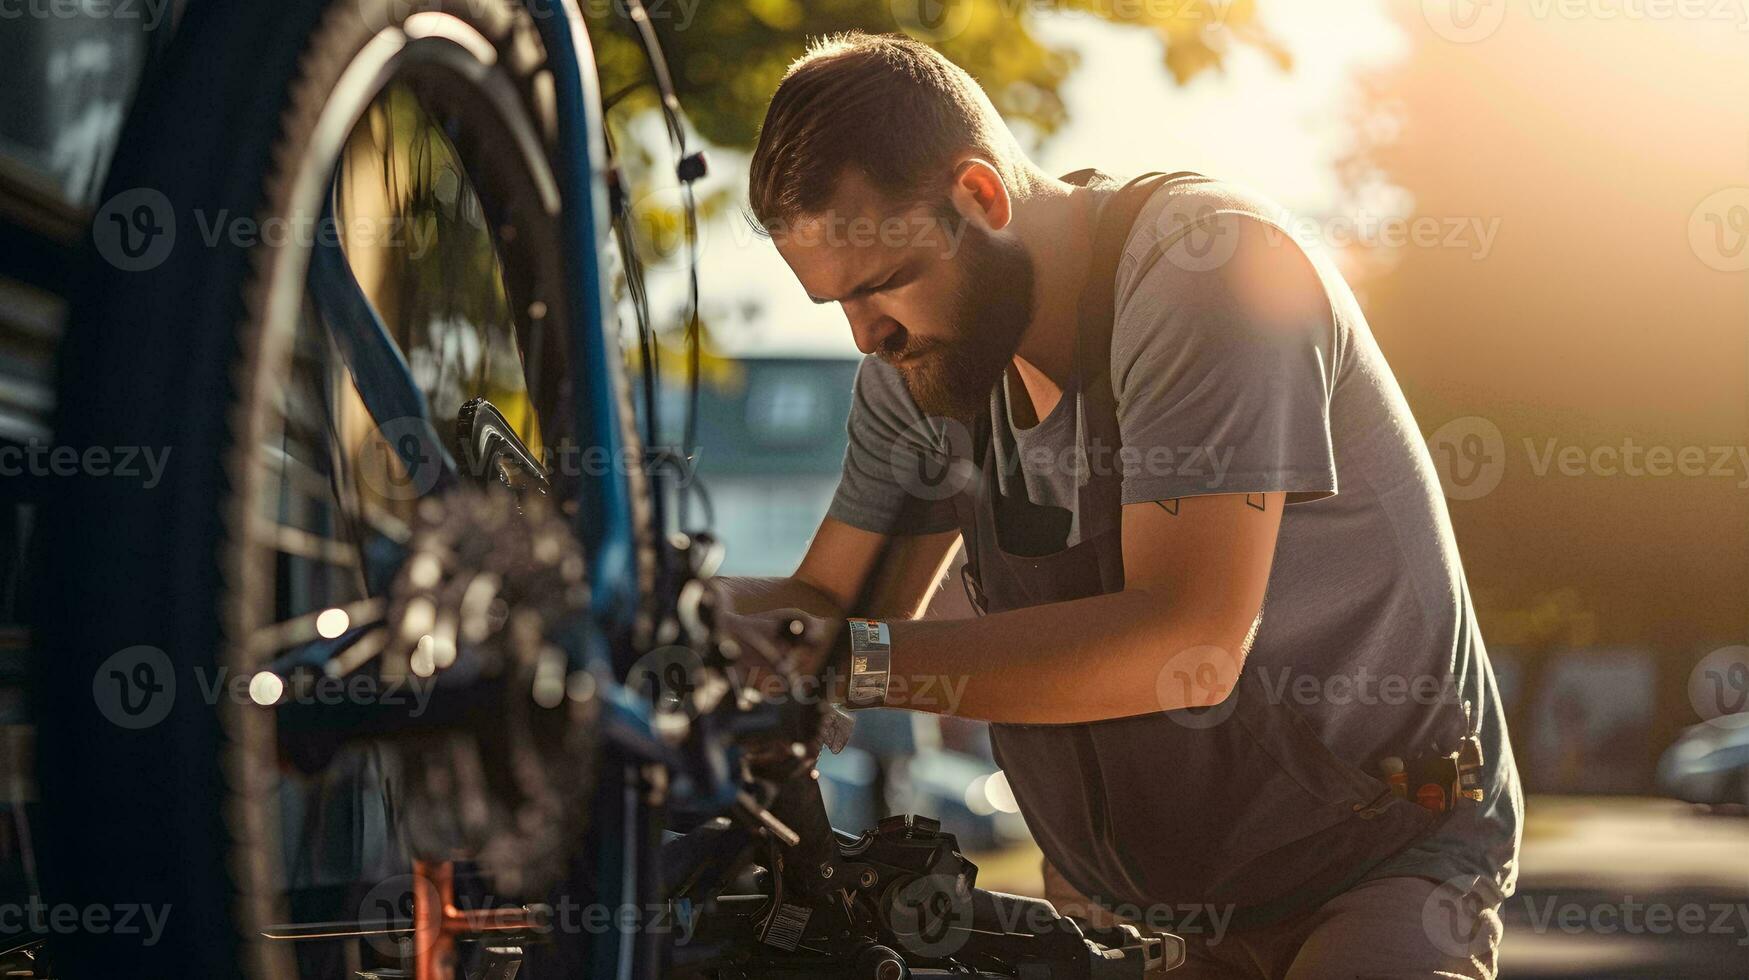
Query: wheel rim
point(445, 208)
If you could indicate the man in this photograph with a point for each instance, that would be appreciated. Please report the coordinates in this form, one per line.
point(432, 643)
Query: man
point(1142, 412)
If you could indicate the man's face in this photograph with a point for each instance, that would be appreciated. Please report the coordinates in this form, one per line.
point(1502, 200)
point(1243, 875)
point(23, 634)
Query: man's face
point(939, 296)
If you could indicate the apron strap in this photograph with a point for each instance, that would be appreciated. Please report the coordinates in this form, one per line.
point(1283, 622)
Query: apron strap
point(1117, 218)
point(1099, 494)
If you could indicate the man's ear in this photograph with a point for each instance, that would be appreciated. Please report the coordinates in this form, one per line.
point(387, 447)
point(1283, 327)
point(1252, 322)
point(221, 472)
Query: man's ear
point(978, 192)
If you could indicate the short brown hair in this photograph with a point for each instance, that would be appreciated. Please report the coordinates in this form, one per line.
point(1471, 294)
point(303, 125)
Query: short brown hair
point(891, 107)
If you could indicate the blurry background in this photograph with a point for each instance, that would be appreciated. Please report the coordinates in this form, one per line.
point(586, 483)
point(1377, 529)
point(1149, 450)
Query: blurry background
point(1545, 210)
point(1544, 206)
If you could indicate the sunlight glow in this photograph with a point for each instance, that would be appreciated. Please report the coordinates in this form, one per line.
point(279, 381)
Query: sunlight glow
point(332, 622)
point(265, 688)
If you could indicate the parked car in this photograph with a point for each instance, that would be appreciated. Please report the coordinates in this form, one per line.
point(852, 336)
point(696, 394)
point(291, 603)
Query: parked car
point(1710, 763)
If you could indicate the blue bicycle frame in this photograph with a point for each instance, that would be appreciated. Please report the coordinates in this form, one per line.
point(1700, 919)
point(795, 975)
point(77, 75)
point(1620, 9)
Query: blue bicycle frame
point(604, 515)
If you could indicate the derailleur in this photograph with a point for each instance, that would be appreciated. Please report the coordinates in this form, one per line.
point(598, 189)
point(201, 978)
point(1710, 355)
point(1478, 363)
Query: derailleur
point(895, 902)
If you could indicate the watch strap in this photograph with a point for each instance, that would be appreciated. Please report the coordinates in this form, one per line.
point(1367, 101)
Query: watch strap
point(871, 651)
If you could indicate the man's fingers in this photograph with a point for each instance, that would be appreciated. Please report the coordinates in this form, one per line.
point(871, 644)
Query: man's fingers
point(776, 649)
point(761, 659)
point(811, 632)
point(753, 638)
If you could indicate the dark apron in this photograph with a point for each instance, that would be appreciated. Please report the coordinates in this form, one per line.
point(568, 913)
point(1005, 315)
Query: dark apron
point(1247, 811)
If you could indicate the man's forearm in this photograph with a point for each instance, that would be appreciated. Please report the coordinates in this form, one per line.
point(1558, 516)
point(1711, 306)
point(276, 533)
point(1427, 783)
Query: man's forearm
point(836, 574)
point(1108, 656)
point(756, 595)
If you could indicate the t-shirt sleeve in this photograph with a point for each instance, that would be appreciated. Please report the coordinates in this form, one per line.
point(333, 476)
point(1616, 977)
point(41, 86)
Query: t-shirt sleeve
point(1223, 362)
point(899, 475)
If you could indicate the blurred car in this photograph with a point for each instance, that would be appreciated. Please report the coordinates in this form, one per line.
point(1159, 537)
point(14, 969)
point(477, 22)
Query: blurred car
point(1709, 763)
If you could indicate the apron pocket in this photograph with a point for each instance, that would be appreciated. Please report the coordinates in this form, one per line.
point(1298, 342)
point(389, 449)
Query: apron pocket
point(1246, 811)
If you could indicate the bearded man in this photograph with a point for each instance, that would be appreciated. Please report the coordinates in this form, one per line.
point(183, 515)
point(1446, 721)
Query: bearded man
point(1144, 410)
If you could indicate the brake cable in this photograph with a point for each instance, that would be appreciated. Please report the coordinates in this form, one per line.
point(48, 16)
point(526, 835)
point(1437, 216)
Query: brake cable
point(689, 167)
point(633, 268)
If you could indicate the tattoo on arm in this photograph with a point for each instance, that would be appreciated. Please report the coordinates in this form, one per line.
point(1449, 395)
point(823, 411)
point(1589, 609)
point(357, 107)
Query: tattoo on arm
point(1255, 501)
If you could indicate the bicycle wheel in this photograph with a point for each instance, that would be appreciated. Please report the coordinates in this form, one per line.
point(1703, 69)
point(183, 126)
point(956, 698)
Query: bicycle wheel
point(367, 211)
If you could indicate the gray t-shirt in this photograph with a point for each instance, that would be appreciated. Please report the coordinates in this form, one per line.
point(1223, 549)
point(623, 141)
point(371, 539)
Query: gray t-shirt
point(1241, 364)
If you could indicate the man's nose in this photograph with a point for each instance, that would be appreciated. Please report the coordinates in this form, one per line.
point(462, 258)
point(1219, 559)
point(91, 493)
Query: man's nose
point(871, 330)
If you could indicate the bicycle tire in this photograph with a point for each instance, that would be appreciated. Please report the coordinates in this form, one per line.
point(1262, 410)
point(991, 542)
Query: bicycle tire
point(172, 815)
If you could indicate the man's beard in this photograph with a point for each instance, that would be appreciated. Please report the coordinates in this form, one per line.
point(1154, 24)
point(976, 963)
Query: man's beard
point(953, 378)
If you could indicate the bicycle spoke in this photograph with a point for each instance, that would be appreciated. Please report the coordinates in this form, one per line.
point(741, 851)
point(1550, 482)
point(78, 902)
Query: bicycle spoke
point(294, 472)
point(303, 544)
point(304, 479)
point(359, 653)
point(304, 931)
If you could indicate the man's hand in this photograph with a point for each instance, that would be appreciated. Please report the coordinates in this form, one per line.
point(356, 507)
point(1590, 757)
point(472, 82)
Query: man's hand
point(776, 655)
point(778, 648)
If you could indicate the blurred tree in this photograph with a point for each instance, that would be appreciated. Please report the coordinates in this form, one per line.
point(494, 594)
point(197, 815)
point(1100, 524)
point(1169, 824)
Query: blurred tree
point(1597, 319)
point(727, 56)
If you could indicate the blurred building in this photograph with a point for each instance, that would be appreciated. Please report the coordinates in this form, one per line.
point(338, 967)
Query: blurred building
point(771, 432)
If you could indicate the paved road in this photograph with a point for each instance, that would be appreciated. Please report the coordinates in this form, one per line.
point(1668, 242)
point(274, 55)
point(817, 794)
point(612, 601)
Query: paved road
point(1610, 887)
point(1627, 887)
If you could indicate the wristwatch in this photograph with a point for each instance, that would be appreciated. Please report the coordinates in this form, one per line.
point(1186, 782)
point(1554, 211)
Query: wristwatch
point(871, 653)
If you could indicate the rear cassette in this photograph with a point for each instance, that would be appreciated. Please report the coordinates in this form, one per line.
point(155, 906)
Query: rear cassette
point(479, 608)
